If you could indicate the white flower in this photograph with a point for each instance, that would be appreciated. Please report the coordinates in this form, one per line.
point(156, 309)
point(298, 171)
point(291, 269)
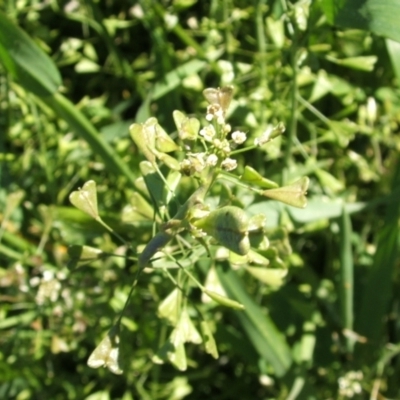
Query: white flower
point(215, 111)
point(212, 160)
point(229, 164)
point(208, 132)
point(226, 128)
point(222, 145)
point(197, 161)
point(239, 137)
point(371, 110)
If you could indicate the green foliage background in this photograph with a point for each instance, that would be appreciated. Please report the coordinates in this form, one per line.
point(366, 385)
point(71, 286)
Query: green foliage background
point(123, 62)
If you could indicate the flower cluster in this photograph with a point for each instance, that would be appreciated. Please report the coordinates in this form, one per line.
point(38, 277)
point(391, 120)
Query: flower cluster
point(350, 384)
point(214, 136)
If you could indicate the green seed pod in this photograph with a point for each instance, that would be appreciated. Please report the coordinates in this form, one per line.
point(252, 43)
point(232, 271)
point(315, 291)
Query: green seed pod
point(224, 301)
point(229, 226)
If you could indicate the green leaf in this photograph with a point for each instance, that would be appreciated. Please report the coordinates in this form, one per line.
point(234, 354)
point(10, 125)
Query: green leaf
point(85, 199)
point(208, 339)
point(144, 137)
point(82, 255)
point(187, 329)
point(170, 307)
point(294, 194)
point(12, 202)
point(188, 128)
point(164, 142)
point(269, 276)
point(25, 61)
point(378, 16)
point(173, 350)
point(85, 129)
point(229, 226)
point(106, 354)
point(252, 257)
point(262, 332)
point(212, 284)
point(153, 141)
point(362, 63)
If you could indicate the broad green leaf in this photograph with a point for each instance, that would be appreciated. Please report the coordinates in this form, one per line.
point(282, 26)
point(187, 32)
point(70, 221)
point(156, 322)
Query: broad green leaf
point(252, 177)
point(85, 199)
point(106, 354)
point(229, 226)
point(323, 208)
point(393, 49)
point(378, 16)
point(208, 340)
point(25, 61)
point(294, 194)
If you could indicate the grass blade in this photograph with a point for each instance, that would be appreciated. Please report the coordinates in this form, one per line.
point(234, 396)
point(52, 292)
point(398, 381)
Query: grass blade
point(262, 332)
point(346, 291)
point(25, 61)
point(378, 291)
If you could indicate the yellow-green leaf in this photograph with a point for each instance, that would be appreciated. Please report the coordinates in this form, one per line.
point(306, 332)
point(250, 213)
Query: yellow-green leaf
point(294, 194)
point(106, 354)
point(208, 339)
point(85, 199)
point(251, 176)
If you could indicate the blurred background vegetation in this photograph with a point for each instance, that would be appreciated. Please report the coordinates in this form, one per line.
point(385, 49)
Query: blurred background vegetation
point(329, 75)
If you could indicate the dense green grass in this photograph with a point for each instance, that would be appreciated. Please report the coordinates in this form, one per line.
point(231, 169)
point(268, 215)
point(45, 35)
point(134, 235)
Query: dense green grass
point(66, 105)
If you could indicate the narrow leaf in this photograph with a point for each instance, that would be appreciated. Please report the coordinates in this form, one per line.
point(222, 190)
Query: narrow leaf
point(25, 61)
